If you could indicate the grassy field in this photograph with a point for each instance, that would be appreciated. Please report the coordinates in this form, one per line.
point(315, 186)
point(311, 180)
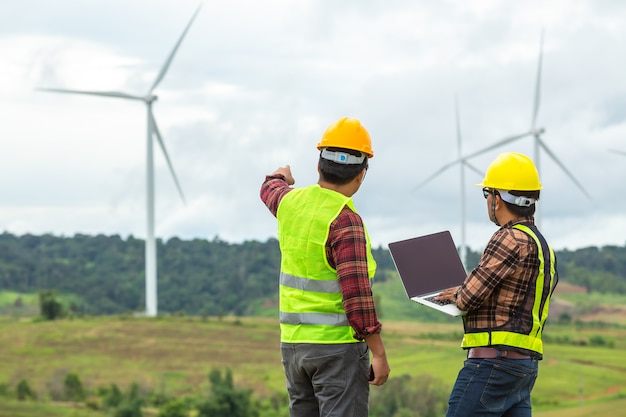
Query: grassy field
point(583, 374)
point(176, 354)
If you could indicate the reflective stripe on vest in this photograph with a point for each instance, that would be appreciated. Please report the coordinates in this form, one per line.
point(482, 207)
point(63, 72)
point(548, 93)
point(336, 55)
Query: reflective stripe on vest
point(314, 318)
point(311, 309)
point(305, 284)
point(543, 291)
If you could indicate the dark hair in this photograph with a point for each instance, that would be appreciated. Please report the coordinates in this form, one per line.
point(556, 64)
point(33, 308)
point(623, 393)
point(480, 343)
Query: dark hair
point(520, 211)
point(340, 174)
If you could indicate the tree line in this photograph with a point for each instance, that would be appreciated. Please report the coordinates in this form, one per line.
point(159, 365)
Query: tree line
point(105, 274)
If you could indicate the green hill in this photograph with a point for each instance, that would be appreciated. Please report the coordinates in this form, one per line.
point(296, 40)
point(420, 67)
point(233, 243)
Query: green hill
point(171, 358)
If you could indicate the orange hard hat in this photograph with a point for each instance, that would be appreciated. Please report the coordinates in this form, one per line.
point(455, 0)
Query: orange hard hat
point(347, 133)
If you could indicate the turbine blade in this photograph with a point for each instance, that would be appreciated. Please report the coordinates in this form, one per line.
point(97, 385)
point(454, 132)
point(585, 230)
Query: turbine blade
point(473, 168)
point(93, 93)
point(559, 163)
point(439, 171)
point(157, 133)
point(537, 86)
point(171, 57)
point(497, 144)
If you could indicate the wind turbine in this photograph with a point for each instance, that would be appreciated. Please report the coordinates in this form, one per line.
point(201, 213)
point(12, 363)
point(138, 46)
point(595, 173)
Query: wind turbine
point(535, 132)
point(153, 130)
point(617, 152)
point(463, 163)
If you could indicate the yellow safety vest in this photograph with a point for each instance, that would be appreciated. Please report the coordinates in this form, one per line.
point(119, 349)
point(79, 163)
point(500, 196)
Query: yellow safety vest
point(311, 309)
point(543, 287)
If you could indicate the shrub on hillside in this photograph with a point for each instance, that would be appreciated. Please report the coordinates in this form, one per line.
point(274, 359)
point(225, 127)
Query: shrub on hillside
point(24, 392)
point(226, 400)
point(112, 397)
point(175, 408)
point(73, 388)
point(51, 308)
point(128, 408)
point(119, 404)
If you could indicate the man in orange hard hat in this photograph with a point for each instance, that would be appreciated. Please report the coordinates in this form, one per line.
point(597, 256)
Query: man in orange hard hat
point(328, 319)
point(506, 298)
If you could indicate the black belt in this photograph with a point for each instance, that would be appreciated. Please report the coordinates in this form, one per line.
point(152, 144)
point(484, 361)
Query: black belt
point(492, 353)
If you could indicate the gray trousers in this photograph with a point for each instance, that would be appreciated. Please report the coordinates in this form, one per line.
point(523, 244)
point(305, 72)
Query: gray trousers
point(326, 380)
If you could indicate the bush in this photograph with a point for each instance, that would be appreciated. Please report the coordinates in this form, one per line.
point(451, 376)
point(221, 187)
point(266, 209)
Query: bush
point(24, 392)
point(175, 408)
point(226, 400)
point(119, 404)
point(128, 408)
point(74, 388)
point(112, 398)
point(597, 340)
point(51, 308)
point(564, 318)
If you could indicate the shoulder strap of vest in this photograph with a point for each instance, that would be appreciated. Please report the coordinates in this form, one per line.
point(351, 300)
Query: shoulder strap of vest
point(549, 258)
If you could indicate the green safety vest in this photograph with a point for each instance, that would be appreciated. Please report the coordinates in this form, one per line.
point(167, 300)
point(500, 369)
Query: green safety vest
point(311, 309)
point(542, 289)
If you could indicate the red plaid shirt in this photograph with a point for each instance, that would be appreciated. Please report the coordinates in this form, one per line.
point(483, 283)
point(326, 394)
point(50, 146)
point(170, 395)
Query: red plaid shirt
point(346, 251)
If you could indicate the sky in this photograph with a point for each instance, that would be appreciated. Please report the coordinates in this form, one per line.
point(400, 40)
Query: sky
point(254, 85)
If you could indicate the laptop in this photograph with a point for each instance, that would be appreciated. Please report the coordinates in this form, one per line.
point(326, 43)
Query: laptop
point(428, 265)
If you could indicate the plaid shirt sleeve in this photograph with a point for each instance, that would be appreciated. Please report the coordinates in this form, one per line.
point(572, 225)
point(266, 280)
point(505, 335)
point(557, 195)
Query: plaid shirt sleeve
point(273, 190)
point(346, 250)
point(494, 291)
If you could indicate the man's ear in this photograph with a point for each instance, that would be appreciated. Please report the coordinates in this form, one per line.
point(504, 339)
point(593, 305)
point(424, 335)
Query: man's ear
point(362, 175)
point(499, 202)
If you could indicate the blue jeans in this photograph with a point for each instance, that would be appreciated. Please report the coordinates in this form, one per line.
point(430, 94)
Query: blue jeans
point(326, 380)
point(493, 387)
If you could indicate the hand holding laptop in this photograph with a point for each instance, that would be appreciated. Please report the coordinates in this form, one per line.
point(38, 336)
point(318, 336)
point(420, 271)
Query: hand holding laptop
point(448, 294)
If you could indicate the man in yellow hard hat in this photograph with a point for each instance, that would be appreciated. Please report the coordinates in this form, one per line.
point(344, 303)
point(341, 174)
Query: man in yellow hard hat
point(506, 297)
point(328, 319)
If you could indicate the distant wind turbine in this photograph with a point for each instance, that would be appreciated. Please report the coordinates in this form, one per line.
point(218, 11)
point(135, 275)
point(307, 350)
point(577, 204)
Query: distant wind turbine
point(462, 161)
point(536, 132)
point(153, 130)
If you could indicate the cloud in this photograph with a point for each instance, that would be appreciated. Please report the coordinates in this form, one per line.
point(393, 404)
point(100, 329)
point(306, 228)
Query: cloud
point(254, 85)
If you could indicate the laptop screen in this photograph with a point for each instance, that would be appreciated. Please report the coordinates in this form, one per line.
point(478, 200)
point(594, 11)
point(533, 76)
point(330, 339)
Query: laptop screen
point(427, 264)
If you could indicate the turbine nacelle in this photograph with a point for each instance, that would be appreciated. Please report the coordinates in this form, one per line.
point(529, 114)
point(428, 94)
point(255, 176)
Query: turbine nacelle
point(537, 131)
point(150, 98)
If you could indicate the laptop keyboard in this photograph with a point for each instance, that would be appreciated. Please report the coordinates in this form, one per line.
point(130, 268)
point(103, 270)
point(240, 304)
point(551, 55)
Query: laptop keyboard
point(440, 302)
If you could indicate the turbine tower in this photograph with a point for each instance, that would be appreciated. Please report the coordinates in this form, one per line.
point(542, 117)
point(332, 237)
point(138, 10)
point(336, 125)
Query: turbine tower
point(535, 132)
point(153, 131)
point(463, 163)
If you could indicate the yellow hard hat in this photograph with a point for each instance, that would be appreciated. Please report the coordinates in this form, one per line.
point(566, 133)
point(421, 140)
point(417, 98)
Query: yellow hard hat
point(347, 133)
point(512, 171)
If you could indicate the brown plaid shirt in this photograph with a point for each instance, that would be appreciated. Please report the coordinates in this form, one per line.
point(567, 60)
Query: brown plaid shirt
point(494, 293)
